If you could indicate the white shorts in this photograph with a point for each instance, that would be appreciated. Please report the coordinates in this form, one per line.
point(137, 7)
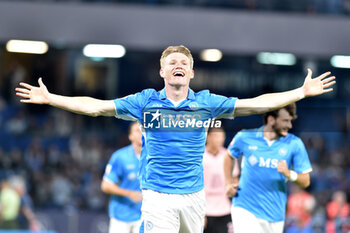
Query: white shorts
point(123, 227)
point(244, 221)
point(173, 213)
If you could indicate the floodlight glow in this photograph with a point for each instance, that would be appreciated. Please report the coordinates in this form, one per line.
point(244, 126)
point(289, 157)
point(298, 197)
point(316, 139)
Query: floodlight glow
point(27, 46)
point(281, 59)
point(340, 61)
point(211, 55)
point(104, 50)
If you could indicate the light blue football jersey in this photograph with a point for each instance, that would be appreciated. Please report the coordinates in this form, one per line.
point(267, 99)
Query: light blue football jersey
point(262, 189)
point(174, 136)
point(122, 169)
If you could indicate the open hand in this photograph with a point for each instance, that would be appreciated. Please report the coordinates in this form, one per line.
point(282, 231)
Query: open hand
point(32, 94)
point(318, 85)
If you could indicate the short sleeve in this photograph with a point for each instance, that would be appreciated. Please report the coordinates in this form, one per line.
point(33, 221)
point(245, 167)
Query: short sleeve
point(221, 106)
point(236, 146)
point(300, 160)
point(131, 106)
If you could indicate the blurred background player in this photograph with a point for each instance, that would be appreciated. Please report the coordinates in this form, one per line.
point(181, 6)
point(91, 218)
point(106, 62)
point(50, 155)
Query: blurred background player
point(270, 153)
point(338, 212)
point(300, 205)
point(27, 218)
point(218, 205)
point(121, 182)
point(10, 203)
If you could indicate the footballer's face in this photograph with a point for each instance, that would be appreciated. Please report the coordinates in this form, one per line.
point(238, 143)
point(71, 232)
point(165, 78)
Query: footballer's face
point(282, 123)
point(135, 135)
point(216, 139)
point(176, 70)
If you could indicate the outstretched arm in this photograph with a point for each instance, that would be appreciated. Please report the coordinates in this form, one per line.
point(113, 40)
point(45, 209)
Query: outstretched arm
point(81, 105)
point(268, 102)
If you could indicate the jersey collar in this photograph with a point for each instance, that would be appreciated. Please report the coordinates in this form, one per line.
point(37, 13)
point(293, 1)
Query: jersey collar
point(190, 96)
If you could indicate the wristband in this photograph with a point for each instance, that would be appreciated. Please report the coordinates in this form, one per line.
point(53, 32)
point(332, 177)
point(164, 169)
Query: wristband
point(301, 94)
point(293, 176)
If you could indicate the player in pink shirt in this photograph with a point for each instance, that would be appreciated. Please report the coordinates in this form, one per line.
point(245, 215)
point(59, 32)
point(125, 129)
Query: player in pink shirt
point(218, 205)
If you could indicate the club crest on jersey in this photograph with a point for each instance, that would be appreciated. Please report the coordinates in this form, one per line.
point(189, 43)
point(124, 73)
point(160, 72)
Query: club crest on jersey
point(193, 106)
point(253, 160)
point(282, 151)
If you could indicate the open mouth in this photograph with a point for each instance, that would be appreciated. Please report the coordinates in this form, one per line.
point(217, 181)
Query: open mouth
point(179, 74)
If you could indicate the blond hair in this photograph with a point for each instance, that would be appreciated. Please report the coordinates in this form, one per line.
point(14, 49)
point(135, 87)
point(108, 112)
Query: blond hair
point(176, 49)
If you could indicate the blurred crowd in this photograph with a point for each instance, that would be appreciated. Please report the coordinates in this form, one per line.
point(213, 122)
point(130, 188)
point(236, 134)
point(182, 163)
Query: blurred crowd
point(324, 206)
point(61, 168)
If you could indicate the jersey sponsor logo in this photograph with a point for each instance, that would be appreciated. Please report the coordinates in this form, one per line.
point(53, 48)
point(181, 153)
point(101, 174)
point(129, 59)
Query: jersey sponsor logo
point(157, 105)
point(250, 147)
point(268, 163)
point(156, 120)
